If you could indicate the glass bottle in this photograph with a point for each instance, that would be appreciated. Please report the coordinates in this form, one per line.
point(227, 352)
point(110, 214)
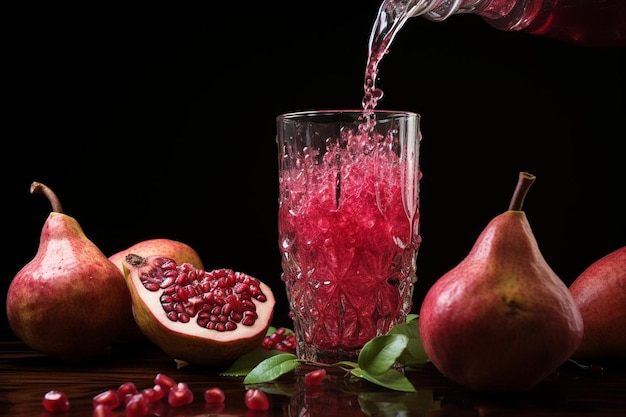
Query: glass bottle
point(592, 23)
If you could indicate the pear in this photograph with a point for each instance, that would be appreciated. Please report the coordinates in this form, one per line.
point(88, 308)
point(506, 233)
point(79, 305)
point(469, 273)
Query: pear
point(168, 248)
point(501, 320)
point(600, 294)
point(70, 300)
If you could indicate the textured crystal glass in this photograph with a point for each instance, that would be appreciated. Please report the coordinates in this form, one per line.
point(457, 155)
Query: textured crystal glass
point(348, 225)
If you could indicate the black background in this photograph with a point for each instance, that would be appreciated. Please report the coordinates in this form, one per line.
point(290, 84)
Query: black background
point(160, 122)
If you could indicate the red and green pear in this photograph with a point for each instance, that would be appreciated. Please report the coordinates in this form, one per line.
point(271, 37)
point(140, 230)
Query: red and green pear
point(501, 320)
point(70, 301)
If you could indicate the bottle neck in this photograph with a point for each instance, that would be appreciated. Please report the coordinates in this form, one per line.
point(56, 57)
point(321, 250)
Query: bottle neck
point(439, 10)
point(595, 23)
point(435, 9)
point(502, 14)
point(516, 13)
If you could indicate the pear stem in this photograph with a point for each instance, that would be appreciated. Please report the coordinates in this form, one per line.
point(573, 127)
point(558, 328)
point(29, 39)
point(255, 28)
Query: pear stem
point(525, 180)
point(39, 188)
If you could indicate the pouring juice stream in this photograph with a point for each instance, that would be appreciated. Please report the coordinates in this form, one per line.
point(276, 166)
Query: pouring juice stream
point(590, 23)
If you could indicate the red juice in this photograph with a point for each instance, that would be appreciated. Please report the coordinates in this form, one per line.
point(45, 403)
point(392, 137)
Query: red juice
point(348, 223)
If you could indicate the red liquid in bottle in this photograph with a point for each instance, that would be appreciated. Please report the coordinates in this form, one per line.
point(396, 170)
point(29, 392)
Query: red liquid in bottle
point(593, 23)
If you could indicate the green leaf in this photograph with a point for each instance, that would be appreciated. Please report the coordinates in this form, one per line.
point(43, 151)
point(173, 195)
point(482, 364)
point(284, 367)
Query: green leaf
point(271, 368)
point(382, 352)
point(288, 389)
point(414, 354)
point(347, 364)
point(246, 362)
point(392, 379)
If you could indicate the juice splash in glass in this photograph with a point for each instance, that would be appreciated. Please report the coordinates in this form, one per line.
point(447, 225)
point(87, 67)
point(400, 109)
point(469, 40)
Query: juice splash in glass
point(348, 225)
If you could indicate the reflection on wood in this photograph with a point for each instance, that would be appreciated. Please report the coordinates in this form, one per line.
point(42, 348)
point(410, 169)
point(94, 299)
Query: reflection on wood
point(26, 376)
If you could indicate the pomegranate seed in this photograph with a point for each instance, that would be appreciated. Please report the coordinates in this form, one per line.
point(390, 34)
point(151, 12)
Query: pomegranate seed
point(125, 391)
point(137, 406)
point(214, 396)
point(102, 410)
point(153, 395)
point(314, 377)
point(219, 300)
point(282, 339)
point(54, 401)
point(180, 395)
point(108, 398)
point(161, 391)
point(162, 409)
point(164, 381)
point(256, 400)
point(595, 368)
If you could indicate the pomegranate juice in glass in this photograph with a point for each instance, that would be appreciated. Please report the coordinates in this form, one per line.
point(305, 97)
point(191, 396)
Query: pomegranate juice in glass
point(348, 225)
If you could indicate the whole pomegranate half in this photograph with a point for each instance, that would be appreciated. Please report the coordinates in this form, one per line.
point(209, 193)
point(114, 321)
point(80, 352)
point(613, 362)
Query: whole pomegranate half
point(178, 251)
point(197, 316)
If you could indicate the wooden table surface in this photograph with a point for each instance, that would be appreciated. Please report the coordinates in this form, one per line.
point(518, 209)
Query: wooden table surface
point(25, 376)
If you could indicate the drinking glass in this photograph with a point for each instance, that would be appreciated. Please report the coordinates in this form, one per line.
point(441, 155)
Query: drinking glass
point(348, 223)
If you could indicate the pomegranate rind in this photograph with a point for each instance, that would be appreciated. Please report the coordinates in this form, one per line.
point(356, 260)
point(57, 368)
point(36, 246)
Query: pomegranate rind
point(174, 249)
point(188, 342)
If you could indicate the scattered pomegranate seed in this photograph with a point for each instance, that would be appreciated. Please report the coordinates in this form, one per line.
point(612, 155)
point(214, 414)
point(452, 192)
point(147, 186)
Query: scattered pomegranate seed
point(164, 381)
point(152, 395)
point(125, 391)
point(160, 391)
point(108, 398)
point(282, 339)
point(102, 410)
point(54, 401)
point(137, 406)
point(315, 377)
point(180, 395)
point(256, 400)
point(214, 395)
point(596, 369)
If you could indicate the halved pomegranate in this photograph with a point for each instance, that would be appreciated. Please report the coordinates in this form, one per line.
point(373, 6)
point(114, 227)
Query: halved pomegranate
point(197, 316)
